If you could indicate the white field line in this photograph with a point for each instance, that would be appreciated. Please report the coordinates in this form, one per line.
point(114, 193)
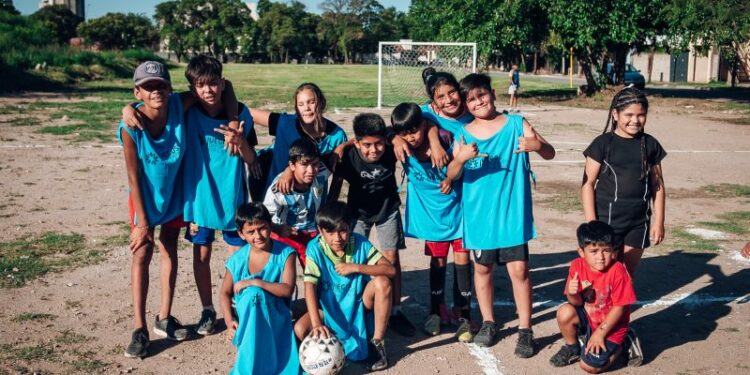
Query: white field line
point(67, 146)
point(687, 299)
point(486, 361)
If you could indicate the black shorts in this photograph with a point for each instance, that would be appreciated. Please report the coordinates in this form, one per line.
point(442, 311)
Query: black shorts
point(584, 334)
point(502, 255)
point(637, 237)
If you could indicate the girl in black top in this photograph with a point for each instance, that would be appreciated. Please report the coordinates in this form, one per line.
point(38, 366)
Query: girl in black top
point(623, 183)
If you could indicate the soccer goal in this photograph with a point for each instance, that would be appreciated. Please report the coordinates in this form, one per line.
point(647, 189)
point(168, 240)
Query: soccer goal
point(400, 66)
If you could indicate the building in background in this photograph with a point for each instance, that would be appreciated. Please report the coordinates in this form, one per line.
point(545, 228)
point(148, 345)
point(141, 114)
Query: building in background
point(76, 6)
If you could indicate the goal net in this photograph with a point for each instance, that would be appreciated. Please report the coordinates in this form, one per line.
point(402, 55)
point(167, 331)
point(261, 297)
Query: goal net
point(400, 66)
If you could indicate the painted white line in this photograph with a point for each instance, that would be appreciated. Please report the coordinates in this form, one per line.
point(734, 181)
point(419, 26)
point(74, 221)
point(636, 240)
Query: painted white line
point(709, 151)
point(66, 146)
point(688, 299)
point(559, 161)
point(485, 359)
point(737, 256)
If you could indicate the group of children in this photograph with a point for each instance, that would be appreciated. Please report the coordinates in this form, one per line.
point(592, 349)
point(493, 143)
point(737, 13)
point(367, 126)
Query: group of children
point(192, 163)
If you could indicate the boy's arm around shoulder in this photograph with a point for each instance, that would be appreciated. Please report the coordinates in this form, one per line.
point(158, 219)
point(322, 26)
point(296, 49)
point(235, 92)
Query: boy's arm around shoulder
point(381, 268)
point(285, 287)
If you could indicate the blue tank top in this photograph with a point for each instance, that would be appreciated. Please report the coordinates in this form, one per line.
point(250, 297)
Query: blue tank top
point(159, 165)
point(264, 339)
point(431, 215)
point(286, 133)
point(214, 180)
point(497, 208)
point(451, 125)
point(341, 297)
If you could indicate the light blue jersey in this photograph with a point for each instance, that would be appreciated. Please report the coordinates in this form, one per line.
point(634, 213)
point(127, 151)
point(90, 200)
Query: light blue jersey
point(297, 209)
point(264, 339)
point(497, 208)
point(214, 180)
point(159, 165)
point(431, 215)
point(287, 132)
point(454, 126)
point(341, 296)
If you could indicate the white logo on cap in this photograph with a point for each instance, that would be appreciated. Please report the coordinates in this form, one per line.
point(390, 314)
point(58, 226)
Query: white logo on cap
point(152, 68)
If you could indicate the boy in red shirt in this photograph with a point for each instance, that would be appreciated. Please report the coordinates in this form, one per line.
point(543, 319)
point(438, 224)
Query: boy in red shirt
point(599, 292)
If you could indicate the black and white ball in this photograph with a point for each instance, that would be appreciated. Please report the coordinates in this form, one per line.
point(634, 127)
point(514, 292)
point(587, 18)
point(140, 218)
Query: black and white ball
point(321, 356)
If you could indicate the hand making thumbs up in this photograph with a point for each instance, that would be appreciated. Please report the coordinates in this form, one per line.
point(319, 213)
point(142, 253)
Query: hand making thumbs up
point(573, 285)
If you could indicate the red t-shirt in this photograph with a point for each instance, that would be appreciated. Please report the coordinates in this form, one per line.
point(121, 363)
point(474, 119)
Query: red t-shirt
point(610, 288)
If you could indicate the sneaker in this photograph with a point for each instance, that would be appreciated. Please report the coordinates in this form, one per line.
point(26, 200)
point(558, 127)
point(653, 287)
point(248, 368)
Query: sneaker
point(463, 333)
point(566, 355)
point(170, 328)
point(138, 344)
point(401, 324)
point(525, 343)
point(207, 323)
point(432, 325)
point(486, 335)
point(381, 362)
point(635, 353)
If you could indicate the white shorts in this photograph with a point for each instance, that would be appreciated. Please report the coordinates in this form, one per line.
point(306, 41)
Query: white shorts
point(512, 89)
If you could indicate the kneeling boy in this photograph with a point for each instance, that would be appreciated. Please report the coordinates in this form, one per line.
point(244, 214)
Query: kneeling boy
point(346, 277)
point(600, 293)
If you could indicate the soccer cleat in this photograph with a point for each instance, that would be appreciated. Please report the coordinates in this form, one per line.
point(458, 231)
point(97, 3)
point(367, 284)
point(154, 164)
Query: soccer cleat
point(381, 361)
point(566, 355)
point(463, 333)
point(170, 328)
point(207, 323)
point(635, 353)
point(486, 335)
point(525, 343)
point(138, 344)
point(401, 324)
point(432, 325)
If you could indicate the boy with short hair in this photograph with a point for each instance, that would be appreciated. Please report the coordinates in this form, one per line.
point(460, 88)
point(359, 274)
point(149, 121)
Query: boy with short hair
point(214, 180)
point(346, 280)
point(433, 214)
point(370, 170)
point(293, 214)
point(492, 154)
point(153, 159)
point(514, 87)
point(599, 292)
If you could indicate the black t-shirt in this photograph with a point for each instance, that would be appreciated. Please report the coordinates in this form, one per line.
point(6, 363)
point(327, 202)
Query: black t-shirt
point(621, 166)
point(373, 192)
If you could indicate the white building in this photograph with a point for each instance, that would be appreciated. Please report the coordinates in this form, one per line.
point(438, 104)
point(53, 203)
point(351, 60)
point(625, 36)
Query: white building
point(76, 6)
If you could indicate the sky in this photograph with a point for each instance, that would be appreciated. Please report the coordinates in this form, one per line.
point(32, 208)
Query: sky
point(98, 8)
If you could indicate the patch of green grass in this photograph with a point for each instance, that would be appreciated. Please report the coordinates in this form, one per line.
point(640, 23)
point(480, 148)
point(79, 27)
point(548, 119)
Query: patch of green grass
point(738, 120)
point(34, 317)
point(22, 121)
point(85, 362)
point(689, 241)
point(33, 256)
point(68, 337)
point(32, 353)
point(725, 190)
point(565, 201)
point(737, 222)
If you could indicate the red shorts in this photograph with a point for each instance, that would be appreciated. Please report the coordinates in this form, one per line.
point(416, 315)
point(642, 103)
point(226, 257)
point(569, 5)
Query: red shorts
point(298, 242)
point(440, 249)
point(175, 223)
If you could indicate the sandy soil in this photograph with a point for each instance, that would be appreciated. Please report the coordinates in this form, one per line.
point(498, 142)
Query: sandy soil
point(692, 317)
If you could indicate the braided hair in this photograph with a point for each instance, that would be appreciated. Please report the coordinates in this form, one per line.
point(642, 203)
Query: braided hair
point(624, 98)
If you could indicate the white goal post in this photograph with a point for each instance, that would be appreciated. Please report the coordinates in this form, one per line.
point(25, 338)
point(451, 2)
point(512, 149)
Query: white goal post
point(400, 66)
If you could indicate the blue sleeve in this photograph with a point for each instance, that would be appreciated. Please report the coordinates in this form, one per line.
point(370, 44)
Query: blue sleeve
point(175, 105)
point(247, 118)
point(131, 132)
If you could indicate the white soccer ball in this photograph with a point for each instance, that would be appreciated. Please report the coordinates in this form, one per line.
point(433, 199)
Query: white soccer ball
point(321, 356)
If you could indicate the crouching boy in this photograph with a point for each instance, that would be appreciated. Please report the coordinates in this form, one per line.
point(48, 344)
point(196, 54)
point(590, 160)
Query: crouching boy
point(595, 320)
point(346, 280)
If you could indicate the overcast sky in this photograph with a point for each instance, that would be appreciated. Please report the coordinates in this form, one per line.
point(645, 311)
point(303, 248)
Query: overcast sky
point(97, 8)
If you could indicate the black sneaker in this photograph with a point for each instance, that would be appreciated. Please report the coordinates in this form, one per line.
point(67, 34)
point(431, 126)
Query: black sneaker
point(170, 328)
point(207, 323)
point(633, 345)
point(525, 343)
point(401, 324)
point(138, 344)
point(381, 362)
point(486, 335)
point(566, 355)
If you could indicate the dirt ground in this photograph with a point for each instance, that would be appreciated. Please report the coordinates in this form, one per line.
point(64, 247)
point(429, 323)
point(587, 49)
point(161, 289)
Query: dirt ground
point(692, 316)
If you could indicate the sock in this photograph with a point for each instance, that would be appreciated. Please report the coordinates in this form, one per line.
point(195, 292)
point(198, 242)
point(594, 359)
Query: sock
point(395, 309)
point(209, 308)
point(462, 288)
point(437, 286)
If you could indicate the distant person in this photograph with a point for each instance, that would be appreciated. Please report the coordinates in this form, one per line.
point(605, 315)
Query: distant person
point(445, 106)
point(514, 87)
point(492, 154)
point(594, 322)
point(260, 279)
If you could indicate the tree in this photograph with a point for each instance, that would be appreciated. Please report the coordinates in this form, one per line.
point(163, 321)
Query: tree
point(723, 24)
point(60, 20)
point(9, 8)
point(287, 31)
point(171, 30)
point(119, 31)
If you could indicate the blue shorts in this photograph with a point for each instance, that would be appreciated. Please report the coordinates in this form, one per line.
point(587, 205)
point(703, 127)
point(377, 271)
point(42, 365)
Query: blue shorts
point(584, 334)
point(206, 236)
